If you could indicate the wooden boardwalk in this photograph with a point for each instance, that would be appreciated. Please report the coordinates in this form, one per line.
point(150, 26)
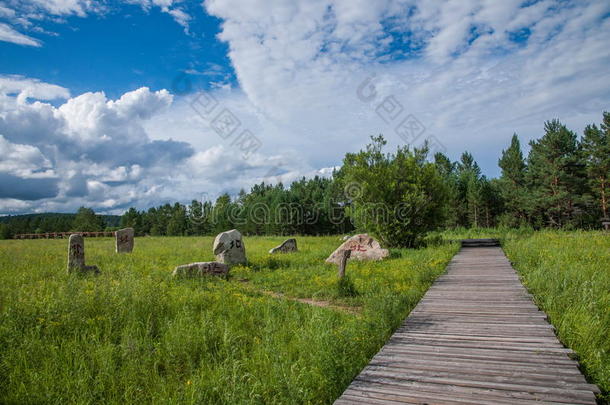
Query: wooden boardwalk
point(476, 337)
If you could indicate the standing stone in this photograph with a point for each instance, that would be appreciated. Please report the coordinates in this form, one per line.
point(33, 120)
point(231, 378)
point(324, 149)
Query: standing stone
point(229, 248)
point(362, 246)
point(343, 262)
point(201, 269)
point(76, 253)
point(124, 240)
point(289, 245)
point(76, 256)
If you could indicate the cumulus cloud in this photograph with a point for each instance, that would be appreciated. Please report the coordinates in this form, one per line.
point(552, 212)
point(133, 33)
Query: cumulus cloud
point(24, 160)
point(83, 151)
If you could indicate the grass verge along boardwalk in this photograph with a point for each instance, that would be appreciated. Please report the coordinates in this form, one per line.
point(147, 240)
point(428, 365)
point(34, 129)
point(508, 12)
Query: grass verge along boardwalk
point(475, 337)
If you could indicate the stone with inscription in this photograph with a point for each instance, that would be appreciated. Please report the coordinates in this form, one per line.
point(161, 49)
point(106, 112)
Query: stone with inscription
point(76, 256)
point(124, 240)
point(362, 246)
point(229, 248)
point(201, 269)
point(289, 245)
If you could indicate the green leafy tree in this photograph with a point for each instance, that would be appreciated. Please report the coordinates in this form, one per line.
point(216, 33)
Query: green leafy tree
point(492, 204)
point(222, 214)
point(198, 215)
point(448, 171)
point(5, 231)
point(132, 219)
point(178, 222)
point(596, 150)
point(397, 197)
point(87, 221)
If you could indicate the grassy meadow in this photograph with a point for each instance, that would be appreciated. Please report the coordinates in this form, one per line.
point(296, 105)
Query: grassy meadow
point(135, 335)
point(569, 275)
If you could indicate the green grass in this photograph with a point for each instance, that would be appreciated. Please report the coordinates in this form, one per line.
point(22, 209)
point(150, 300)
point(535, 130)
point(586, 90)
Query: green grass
point(569, 275)
point(135, 335)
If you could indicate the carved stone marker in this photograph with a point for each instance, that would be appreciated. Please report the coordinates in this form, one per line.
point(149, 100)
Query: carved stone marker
point(289, 245)
point(606, 224)
point(76, 256)
point(201, 269)
point(229, 248)
point(124, 240)
point(362, 246)
point(343, 263)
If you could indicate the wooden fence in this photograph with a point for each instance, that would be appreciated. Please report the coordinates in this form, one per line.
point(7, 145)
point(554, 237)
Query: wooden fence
point(60, 235)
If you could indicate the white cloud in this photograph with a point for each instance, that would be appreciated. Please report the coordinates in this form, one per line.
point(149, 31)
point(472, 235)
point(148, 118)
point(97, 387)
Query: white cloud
point(181, 17)
point(8, 34)
point(65, 7)
point(170, 7)
point(31, 88)
point(459, 69)
point(90, 150)
point(22, 160)
point(6, 12)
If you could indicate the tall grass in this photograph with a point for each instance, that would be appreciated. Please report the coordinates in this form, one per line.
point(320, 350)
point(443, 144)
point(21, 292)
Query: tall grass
point(135, 335)
point(569, 275)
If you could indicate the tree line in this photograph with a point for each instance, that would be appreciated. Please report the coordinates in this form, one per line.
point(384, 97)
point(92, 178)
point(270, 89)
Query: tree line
point(399, 196)
point(84, 220)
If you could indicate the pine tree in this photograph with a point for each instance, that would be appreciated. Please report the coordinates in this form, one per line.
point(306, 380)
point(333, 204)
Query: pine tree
point(555, 177)
point(512, 183)
point(468, 191)
point(596, 151)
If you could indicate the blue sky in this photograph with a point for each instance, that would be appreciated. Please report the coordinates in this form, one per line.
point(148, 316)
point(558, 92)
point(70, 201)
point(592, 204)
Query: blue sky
point(120, 50)
point(93, 112)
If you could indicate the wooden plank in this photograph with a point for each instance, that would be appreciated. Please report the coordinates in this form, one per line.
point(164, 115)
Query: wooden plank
point(396, 338)
point(475, 337)
point(390, 393)
point(533, 373)
point(488, 393)
point(479, 381)
point(436, 336)
point(478, 362)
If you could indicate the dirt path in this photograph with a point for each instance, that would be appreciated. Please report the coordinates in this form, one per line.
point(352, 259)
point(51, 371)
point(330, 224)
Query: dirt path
point(317, 303)
point(309, 301)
